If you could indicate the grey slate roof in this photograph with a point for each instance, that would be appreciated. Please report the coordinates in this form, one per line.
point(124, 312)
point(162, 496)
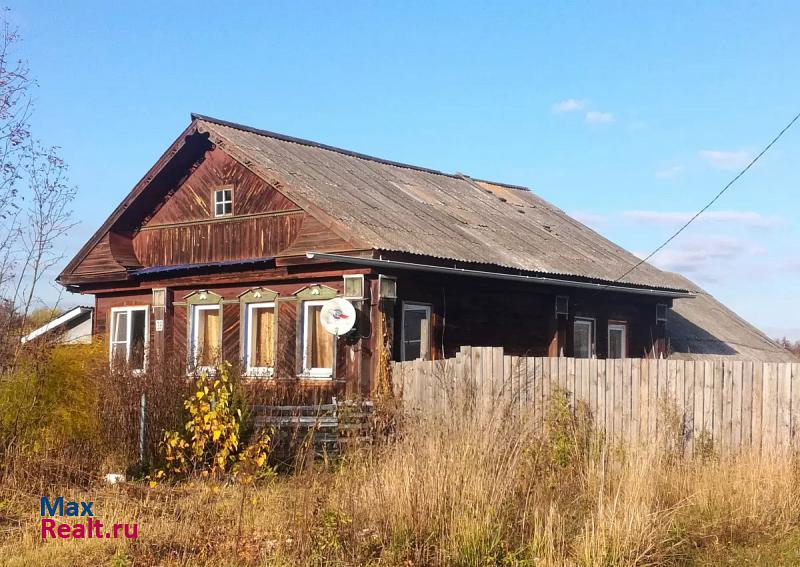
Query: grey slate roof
point(703, 328)
point(402, 208)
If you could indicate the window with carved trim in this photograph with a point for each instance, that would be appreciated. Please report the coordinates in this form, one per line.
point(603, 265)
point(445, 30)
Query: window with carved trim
point(259, 347)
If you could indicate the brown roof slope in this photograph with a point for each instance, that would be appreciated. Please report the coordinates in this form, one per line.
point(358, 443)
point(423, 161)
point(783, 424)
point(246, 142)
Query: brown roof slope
point(397, 207)
point(703, 328)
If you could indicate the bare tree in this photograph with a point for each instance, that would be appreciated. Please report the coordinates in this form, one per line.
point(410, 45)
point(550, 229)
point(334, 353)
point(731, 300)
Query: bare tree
point(35, 195)
point(35, 216)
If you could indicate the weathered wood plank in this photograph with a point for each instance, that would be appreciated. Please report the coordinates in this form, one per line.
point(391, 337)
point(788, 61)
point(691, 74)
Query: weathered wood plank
point(619, 398)
point(795, 380)
point(644, 399)
point(718, 403)
point(689, 405)
point(586, 381)
point(625, 367)
point(608, 397)
point(680, 393)
point(663, 398)
point(784, 422)
point(727, 406)
point(652, 401)
point(769, 412)
point(571, 384)
point(499, 378)
point(736, 406)
point(634, 373)
point(747, 405)
point(758, 404)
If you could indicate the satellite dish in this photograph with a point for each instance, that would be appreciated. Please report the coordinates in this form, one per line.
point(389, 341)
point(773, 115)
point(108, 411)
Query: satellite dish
point(338, 316)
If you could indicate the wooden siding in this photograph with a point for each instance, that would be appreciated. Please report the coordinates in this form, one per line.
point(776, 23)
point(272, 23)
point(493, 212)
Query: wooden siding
point(99, 259)
point(519, 316)
point(192, 201)
point(732, 405)
point(217, 241)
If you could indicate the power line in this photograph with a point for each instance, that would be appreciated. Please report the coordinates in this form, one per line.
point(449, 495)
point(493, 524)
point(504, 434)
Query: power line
point(714, 200)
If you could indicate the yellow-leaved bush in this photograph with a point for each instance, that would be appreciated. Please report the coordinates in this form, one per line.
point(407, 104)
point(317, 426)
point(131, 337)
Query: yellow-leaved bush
point(210, 445)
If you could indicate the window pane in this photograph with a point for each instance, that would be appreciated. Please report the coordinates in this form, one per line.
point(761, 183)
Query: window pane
point(412, 324)
point(217, 196)
point(228, 194)
point(319, 350)
point(137, 339)
point(227, 208)
point(354, 287)
point(262, 344)
point(119, 352)
point(120, 330)
point(415, 327)
point(616, 340)
point(208, 337)
point(583, 339)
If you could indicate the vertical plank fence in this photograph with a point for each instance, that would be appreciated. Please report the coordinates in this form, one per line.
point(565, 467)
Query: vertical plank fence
point(733, 405)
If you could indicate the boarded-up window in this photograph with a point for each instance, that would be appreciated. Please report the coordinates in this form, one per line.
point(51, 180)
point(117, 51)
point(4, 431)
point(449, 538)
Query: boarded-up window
point(206, 335)
point(317, 342)
point(260, 338)
point(415, 340)
point(583, 338)
point(129, 336)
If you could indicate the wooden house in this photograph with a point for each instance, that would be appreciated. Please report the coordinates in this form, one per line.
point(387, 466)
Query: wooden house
point(232, 242)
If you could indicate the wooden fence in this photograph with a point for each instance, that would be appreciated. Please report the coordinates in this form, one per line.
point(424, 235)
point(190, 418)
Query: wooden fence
point(733, 404)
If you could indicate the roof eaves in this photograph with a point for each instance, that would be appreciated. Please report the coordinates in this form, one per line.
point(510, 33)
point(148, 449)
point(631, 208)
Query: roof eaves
point(152, 270)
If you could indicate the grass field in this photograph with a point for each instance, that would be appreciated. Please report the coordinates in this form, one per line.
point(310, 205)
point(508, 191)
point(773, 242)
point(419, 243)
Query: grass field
point(481, 490)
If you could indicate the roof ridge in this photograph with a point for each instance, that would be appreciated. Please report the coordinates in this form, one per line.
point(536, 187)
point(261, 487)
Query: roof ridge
point(351, 153)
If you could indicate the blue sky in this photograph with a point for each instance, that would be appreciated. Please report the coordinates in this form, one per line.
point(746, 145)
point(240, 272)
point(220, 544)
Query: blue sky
point(629, 116)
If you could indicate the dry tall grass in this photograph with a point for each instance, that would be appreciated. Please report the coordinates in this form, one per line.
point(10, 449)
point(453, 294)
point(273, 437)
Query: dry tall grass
point(482, 489)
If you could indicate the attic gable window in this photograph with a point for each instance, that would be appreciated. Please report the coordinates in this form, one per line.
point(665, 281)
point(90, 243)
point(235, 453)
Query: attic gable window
point(223, 202)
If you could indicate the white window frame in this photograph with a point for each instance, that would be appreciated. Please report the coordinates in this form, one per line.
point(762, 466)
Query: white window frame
point(223, 201)
point(414, 306)
point(314, 373)
point(127, 343)
point(260, 371)
point(618, 327)
point(196, 309)
point(592, 338)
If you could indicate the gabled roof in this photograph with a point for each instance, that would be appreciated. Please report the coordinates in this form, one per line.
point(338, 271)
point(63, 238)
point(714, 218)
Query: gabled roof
point(391, 206)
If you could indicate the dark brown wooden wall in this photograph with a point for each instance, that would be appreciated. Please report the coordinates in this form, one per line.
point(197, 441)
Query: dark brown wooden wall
point(466, 311)
point(99, 259)
point(192, 201)
point(217, 241)
point(521, 317)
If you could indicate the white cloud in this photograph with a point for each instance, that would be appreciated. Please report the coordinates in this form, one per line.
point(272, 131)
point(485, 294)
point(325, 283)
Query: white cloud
point(749, 219)
point(707, 258)
point(726, 160)
point(670, 172)
point(568, 105)
point(597, 117)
